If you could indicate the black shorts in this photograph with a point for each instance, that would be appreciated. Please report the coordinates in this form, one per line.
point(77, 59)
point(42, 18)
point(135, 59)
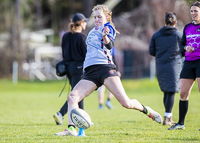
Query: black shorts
point(191, 69)
point(97, 73)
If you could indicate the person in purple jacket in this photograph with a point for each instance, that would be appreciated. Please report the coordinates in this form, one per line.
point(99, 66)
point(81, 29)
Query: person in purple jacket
point(191, 68)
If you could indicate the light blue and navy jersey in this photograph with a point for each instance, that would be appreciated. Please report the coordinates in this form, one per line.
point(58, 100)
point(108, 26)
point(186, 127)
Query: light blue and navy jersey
point(97, 53)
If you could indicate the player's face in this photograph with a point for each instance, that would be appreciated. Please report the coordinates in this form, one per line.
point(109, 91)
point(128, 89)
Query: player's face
point(195, 14)
point(99, 18)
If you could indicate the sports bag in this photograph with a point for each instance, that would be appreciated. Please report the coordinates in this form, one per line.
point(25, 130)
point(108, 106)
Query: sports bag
point(61, 68)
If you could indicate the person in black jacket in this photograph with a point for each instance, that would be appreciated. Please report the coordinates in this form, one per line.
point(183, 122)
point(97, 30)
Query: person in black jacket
point(165, 47)
point(73, 52)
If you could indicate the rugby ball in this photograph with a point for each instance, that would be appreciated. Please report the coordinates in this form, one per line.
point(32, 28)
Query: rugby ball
point(80, 118)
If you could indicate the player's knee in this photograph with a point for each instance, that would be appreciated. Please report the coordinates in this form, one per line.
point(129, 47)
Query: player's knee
point(71, 98)
point(184, 94)
point(126, 105)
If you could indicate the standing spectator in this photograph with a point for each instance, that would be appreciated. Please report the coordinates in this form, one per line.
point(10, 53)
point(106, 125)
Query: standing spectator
point(100, 69)
point(191, 68)
point(165, 47)
point(73, 52)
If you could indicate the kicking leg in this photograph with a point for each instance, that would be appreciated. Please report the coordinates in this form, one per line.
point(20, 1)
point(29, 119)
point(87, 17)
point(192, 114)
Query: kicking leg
point(80, 91)
point(114, 85)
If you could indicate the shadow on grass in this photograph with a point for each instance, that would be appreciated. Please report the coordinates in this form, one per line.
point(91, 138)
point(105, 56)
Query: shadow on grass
point(127, 122)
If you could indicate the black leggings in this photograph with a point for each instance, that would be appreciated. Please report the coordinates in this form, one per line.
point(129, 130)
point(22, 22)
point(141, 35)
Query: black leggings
point(168, 101)
point(64, 108)
point(74, 73)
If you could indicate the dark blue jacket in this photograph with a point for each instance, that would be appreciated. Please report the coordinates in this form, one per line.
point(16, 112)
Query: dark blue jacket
point(165, 46)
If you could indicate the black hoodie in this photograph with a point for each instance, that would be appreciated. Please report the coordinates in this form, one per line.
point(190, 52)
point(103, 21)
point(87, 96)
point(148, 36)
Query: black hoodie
point(167, 30)
point(165, 46)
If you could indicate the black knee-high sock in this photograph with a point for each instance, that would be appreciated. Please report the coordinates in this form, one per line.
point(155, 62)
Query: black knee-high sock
point(169, 102)
point(183, 108)
point(71, 125)
point(144, 110)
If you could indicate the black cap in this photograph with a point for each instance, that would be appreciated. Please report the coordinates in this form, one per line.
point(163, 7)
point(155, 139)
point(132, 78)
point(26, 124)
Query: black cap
point(79, 17)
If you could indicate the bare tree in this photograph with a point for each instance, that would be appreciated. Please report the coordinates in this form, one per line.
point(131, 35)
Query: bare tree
point(39, 21)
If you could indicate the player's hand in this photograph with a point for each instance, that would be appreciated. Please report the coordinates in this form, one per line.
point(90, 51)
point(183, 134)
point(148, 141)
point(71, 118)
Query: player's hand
point(189, 49)
point(106, 30)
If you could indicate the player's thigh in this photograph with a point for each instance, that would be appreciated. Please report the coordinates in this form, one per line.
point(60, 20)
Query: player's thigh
point(82, 89)
point(114, 85)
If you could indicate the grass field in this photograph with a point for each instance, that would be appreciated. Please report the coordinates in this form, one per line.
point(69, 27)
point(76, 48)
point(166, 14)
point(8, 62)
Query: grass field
point(26, 111)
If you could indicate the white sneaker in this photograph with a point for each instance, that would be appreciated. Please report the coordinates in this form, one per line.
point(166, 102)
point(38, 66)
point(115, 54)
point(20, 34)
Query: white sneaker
point(71, 131)
point(177, 127)
point(153, 114)
point(58, 118)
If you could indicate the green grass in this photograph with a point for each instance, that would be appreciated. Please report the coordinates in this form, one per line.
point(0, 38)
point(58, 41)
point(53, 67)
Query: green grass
point(26, 111)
